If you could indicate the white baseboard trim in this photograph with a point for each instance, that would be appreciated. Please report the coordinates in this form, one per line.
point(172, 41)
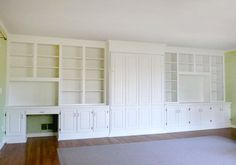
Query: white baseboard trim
point(44, 134)
point(233, 126)
point(2, 144)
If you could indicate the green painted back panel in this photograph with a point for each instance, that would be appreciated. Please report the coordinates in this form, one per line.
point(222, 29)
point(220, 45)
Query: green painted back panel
point(2, 85)
point(230, 80)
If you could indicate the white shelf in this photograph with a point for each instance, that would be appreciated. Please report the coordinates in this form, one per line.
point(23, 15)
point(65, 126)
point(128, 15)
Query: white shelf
point(94, 68)
point(72, 68)
point(21, 66)
point(21, 55)
point(45, 56)
point(71, 90)
point(98, 59)
point(99, 79)
point(72, 58)
point(79, 79)
point(47, 67)
point(35, 79)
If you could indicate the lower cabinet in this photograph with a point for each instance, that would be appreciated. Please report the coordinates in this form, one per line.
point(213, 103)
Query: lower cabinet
point(99, 121)
point(15, 126)
point(84, 122)
point(184, 117)
point(134, 120)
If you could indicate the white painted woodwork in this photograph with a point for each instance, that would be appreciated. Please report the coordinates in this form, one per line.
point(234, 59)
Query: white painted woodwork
point(15, 126)
point(84, 122)
point(149, 92)
point(68, 121)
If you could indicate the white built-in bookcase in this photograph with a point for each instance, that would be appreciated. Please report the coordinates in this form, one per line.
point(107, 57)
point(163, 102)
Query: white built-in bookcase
point(194, 76)
point(47, 72)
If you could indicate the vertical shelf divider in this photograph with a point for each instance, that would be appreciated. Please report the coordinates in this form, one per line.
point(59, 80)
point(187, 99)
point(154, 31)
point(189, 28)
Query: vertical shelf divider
point(60, 74)
point(83, 73)
point(35, 60)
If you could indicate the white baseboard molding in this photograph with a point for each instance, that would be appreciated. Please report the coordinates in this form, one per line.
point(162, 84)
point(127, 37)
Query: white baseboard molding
point(16, 139)
point(233, 126)
point(2, 144)
point(43, 134)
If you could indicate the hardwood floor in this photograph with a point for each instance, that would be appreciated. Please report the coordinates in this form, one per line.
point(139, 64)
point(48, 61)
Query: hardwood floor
point(43, 151)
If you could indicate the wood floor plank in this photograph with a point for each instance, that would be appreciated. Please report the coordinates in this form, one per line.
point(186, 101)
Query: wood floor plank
point(43, 150)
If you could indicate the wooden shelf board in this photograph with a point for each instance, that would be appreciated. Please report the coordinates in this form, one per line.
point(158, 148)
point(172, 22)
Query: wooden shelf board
point(35, 79)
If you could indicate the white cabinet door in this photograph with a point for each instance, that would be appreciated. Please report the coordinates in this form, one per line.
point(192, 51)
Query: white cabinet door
point(172, 117)
point(226, 113)
point(101, 120)
point(16, 123)
point(117, 79)
point(207, 116)
point(85, 120)
point(144, 76)
point(157, 77)
point(157, 117)
point(195, 116)
point(131, 88)
point(68, 120)
point(118, 118)
point(144, 117)
point(221, 114)
point(131, 117)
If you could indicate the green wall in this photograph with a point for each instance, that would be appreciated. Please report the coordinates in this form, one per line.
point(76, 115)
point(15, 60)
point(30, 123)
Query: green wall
point(2, 85)
point(230, 76)
point(34, 123)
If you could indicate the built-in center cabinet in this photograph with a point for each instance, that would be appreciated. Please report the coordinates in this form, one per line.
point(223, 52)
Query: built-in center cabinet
point(84, 122)
point(196, 116)
point(153, 88)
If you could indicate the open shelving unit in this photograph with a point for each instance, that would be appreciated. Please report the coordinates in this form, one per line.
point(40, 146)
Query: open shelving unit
point(21, 60)
point(72, 75)
point(171, 77)
point(47, 61)
point(94, 79)
point(186, 62)
point(217, 78)
point(82, 75)
point(194, 77)
point(202, 63)
point(33, 74)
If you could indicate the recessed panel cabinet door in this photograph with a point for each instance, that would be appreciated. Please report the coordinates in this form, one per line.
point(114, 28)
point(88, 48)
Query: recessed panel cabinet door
point(131, 87)
point(195, 116)
point(144, 76)
point(118, 79)
point(132, 117)
point(208, 116)
point(101, 120)
point(15, 123)
point(118, 118)
point(157, 117)
point(85, 121)
point(172, 117)
point(157, 77)
point(68, 121)
point(144, 117)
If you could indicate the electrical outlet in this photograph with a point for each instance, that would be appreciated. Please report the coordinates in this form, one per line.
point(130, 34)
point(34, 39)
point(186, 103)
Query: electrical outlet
point(44, 126)
point(50, 126)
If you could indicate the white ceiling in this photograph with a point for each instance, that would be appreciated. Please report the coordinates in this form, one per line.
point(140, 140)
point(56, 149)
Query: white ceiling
point(193, 23)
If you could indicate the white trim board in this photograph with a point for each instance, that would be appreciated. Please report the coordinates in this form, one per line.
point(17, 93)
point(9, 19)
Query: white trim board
point(2, 144)
point(233, 126)
point(44, 134)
